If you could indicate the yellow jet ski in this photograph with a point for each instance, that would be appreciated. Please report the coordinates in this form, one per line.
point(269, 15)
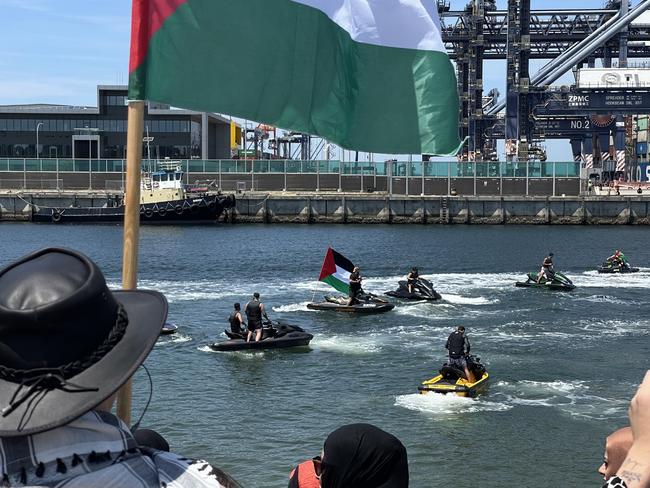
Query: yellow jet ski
point(452, 380)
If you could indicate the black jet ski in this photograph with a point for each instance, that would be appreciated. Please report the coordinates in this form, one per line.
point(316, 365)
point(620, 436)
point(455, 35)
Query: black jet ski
point(275, 335)
point(422, 290)
point(365, 303)
point(169, 328)
point(610, 267)
point(557, 282)
point(453, 380)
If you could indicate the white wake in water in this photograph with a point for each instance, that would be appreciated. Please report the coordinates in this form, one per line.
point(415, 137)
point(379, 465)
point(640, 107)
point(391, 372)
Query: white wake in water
point(292, 307)
point(593, 279)
point(571, 397)
point(438, 404)
point(346, 344)
point(462, 300)
point(173, 339)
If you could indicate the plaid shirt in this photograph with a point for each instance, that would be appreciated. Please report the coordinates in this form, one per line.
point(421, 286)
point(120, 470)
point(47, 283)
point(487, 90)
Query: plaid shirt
point(98, 451)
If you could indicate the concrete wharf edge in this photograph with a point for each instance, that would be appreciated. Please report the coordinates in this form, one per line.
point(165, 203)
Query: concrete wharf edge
point(376, 208)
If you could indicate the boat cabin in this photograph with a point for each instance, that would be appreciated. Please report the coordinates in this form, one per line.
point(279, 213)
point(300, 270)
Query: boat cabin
point(164, 184)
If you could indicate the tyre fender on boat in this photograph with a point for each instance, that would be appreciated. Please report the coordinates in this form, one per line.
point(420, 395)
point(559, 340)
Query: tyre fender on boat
point(194, 208)
point(211, 205)
point(162, 212)
point(178, 209)
point(56, 216)
point(148, 213)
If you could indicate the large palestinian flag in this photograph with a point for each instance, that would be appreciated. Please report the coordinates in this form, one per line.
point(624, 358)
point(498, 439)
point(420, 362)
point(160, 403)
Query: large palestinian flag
point(369, 75)
point(336, 271)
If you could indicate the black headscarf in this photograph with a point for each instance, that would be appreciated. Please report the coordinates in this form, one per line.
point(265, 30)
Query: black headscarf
point(364, 456)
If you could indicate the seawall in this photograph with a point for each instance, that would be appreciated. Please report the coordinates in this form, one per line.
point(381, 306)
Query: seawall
point(379, 208)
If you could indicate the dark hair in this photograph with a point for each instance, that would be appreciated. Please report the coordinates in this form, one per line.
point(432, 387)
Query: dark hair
point(551, 254)
point(256, 295)
point(461, 328)
point(237, 306)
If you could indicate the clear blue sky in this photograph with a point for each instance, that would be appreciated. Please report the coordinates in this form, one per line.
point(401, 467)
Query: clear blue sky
point(58, 51)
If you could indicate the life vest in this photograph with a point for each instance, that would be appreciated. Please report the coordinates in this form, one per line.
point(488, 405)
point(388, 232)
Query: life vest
point(235, 323)
point(306, 475)
point(456, 344)
point(254, 312)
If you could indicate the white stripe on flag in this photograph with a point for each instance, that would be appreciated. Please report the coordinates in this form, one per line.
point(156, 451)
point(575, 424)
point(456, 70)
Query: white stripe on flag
point(408, 24)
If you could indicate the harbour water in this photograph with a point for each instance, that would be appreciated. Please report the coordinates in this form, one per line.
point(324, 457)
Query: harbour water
point(563, 365)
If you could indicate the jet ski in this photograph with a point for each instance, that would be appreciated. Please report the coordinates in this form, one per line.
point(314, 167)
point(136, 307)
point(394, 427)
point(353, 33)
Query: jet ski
point(169, 328)
point(275, 335)
point(610, 267)
point(422, 290)
point(364, 303)
point(452, 380)
point(557, 282)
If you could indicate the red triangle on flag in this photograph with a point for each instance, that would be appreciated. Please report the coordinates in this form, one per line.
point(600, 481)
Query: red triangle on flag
point(329, 265)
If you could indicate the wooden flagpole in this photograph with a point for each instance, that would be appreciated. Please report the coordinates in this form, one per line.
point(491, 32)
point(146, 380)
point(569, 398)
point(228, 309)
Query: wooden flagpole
point(135, 125)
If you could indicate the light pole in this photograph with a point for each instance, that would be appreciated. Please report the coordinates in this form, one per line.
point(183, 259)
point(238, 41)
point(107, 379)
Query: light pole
point(37, 127)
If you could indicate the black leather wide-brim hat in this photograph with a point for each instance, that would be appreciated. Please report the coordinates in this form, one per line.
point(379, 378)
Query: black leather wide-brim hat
point(67, 342)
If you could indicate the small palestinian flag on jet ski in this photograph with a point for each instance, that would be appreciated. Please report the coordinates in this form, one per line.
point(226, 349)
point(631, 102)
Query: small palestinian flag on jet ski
point(336, 271)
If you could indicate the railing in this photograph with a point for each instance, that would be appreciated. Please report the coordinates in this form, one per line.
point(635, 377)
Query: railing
point(278, 175)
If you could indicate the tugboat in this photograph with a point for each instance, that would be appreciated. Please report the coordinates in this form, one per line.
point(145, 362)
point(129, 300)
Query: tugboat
point(163, 200)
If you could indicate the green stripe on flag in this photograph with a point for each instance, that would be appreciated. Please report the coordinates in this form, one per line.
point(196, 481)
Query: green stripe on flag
point(338, 284)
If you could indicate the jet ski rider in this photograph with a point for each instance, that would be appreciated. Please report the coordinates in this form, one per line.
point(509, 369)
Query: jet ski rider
point(355, 285)
point(236, 321)
point(412, 278)
point(255, 311)
point(618, 259)
point(459, 346)
point(547, 270)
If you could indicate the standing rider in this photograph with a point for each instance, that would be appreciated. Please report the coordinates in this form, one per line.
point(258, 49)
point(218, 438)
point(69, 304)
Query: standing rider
point(458, 346)
point(236, 321)
point(547, 270)
point(355, 285)
point(255, 311)
point(412, 278)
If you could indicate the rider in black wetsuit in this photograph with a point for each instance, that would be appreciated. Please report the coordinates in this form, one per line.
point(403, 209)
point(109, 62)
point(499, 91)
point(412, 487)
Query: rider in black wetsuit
point(355, 285)
point(236, 321)
point(459, 347)
point(412, 278)
point(255, 311)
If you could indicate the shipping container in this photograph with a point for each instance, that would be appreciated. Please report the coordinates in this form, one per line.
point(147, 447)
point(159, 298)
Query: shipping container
point(642, 148)
point(642, 123)
point(642, 136)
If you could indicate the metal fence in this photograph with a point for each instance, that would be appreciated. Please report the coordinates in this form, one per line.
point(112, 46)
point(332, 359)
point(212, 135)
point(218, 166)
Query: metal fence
point(402, 177)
